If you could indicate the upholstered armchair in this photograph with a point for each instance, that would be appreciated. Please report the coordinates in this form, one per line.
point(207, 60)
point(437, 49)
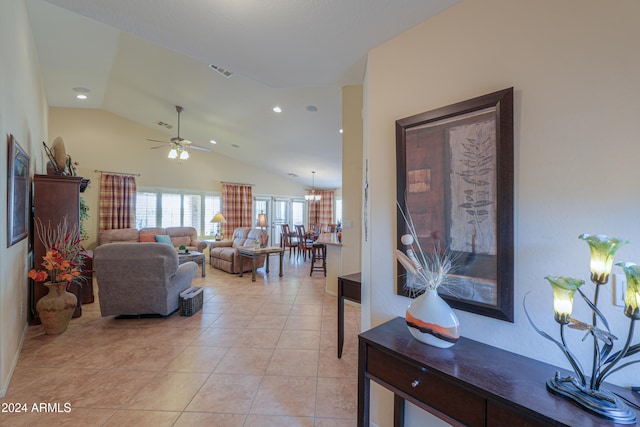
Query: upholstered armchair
point(224, 255)
point(140, 278)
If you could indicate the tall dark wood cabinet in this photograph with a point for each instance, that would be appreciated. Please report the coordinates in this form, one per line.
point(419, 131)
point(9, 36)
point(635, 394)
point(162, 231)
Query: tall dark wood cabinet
point(54, 197)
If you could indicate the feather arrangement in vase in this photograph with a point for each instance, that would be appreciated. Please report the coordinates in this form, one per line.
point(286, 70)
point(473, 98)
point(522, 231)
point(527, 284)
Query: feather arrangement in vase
point(429, 318)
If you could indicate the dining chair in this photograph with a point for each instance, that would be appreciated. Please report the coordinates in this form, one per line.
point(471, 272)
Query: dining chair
point(288, 239)
point(304, 242)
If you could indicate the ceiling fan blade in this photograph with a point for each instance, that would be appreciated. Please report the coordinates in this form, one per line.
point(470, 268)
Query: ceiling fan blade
point(157, 140)
point(158, 146)
point(195, 147)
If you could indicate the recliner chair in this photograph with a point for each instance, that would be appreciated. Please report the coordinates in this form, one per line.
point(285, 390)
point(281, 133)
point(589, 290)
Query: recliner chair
point(140, 278)
point(225, 256)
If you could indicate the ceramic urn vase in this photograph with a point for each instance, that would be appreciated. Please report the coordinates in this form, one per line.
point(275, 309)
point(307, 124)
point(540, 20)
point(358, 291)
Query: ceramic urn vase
point(56, 308)
point(431, 320)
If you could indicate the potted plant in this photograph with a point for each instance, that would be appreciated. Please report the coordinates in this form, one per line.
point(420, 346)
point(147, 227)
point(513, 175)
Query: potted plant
point(84, 215)
point(62, 264)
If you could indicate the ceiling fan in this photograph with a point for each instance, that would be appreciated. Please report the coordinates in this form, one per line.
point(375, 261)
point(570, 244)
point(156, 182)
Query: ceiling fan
point(178, 146)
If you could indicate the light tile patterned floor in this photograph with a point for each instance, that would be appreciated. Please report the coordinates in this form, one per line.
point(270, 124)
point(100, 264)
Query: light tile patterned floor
point(259, 353)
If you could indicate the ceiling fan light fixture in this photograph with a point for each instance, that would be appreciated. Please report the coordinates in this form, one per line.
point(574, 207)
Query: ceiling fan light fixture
point(178, 146)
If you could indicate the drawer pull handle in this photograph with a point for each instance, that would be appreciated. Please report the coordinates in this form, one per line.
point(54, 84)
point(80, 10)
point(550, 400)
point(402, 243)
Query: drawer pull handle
point(415, 383)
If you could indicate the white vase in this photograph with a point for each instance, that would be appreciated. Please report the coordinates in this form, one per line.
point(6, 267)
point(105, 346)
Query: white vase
point(431, 320)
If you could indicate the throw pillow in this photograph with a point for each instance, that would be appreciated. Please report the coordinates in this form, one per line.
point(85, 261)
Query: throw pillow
point(147, 237)
point(163, 238)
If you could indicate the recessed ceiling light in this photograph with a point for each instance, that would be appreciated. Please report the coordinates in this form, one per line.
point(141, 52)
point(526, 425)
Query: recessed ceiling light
point(81, 91)
point(212, 141)
point(312, 108)
point(277, 109)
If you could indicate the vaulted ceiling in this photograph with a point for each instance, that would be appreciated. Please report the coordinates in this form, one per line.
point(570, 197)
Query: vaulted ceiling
point(140, 58)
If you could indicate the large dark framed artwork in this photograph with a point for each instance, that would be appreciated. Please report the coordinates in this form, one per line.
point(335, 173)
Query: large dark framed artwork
point(17, 192)
point(455, 180)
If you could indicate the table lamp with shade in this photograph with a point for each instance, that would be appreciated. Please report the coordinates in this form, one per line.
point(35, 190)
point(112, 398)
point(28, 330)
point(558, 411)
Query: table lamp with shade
point(262, 220)
point(219, 219)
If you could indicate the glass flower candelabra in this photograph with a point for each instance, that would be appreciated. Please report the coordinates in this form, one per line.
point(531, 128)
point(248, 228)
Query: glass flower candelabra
point(587, 391)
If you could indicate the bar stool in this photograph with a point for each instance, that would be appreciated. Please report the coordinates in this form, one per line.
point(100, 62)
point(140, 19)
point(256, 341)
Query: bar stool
point(318, 253)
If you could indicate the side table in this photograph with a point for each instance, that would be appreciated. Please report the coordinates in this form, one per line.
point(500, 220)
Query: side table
point(250, 252)
point(348, 288)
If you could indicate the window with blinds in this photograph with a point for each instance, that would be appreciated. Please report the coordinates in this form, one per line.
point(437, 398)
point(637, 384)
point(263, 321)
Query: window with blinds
point(171, 210)
point(212, 205)
point(166, 208)
point(339, 211)
point(297, 208)
point(146, 209)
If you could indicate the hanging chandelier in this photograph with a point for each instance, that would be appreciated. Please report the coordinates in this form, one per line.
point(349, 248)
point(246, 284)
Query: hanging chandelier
point(312, 196)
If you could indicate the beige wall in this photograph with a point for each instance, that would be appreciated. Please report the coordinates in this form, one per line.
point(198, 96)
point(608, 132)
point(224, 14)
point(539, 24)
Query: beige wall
point(351, 177)
point(100, 140)
point(575, 69)
point(23, 110)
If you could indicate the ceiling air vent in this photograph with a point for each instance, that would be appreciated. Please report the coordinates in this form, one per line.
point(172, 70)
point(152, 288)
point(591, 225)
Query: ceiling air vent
point(226, 73)
point(165, 125)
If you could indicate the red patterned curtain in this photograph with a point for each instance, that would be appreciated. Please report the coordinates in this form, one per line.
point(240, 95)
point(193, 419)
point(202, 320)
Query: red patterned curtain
point(321, 211)
point(237, 200)
point(117, 201)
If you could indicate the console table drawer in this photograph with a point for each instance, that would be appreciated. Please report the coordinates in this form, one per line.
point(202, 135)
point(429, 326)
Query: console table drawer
point(432, 390)
point(500, 416)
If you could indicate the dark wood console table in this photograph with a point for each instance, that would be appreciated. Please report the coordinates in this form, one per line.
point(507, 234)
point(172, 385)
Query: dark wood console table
point(470, 383)
point(348, 288)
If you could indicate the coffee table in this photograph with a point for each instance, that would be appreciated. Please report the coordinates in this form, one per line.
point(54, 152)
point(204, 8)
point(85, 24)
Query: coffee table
point(195, 256)
point(250, 252)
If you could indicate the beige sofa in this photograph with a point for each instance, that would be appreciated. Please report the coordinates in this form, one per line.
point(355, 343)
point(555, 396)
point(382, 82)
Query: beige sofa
point(224, 255)
point(187, 236)
point(138, 279)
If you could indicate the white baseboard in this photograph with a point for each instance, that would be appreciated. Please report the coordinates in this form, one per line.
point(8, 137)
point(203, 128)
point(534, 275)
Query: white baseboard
point(14, 362)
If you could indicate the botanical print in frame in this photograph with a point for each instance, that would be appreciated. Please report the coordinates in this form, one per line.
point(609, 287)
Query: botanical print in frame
point(17, 192)
point(455, 180)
